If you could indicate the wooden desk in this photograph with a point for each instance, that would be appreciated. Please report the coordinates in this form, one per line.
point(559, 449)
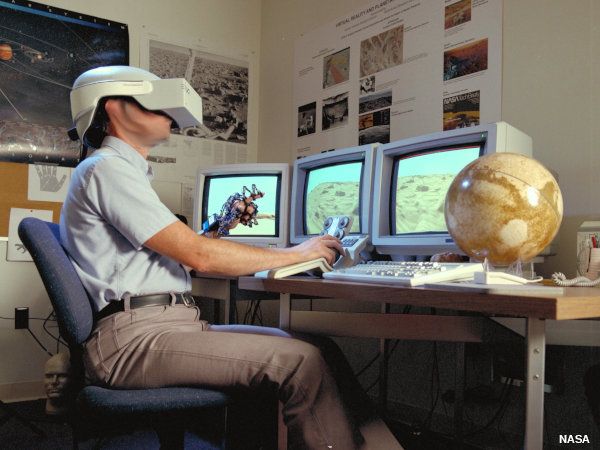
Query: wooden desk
point(574, 303)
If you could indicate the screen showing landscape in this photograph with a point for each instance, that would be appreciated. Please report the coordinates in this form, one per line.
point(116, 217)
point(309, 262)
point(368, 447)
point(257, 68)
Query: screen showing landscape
point(421, 183)
point(332, 190)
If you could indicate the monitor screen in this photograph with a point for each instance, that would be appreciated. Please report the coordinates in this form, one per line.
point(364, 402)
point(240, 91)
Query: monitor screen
point(421, 181)
point(333, 183)
point(333, 190)
point(218, 188)
point(215, 184)
point(412, 177)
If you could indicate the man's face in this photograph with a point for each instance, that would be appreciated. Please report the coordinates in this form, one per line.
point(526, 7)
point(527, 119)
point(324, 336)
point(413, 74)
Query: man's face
point(57, 376)
point(136, 125)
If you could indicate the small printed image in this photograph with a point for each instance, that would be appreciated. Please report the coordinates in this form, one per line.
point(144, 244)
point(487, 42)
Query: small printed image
point(367, 85)
point(466, 60)
point(336, 68)
point(382, 51)
point(457, 14)
point(376, 101)
point(462, 110)
point(307, 119)
point(335, 111)
point(374, 127)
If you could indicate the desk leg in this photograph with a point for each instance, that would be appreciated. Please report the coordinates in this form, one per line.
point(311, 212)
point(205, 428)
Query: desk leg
point(285, 311)
point(459, 393)
point(536, 351)
point(383, 368)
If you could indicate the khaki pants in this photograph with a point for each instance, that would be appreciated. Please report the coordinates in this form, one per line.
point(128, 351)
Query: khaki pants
point(169, 345)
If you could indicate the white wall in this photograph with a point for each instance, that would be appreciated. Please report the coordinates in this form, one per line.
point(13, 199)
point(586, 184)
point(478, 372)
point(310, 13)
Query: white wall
point(551, 91)
point(233, 24)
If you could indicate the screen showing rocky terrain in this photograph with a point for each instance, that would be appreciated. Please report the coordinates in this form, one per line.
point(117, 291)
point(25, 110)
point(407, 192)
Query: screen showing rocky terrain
point(422, 181)
point(333, 191)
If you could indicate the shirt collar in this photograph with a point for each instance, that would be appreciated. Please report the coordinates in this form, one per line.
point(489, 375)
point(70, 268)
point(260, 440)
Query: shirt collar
point(126, 151)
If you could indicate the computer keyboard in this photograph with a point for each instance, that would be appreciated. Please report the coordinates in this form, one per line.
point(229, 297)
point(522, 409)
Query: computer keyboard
point(407, 273)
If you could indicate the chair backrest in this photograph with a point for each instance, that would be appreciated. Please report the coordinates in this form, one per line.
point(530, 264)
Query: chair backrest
point(68, 296)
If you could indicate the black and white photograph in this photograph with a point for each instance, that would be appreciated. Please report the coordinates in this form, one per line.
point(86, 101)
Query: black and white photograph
point(307, 119)
point(222, 83)
point(376, 101)
point(335, 111)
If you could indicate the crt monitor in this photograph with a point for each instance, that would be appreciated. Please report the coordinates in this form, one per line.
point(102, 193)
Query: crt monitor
point(214, 185)
point(333, 183)
point(412, 177)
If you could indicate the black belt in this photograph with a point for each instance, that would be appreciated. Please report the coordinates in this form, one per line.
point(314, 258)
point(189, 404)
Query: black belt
point(140, 301)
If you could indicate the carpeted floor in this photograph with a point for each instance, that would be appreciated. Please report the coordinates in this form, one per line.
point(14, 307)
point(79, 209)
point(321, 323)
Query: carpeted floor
point(15, 434)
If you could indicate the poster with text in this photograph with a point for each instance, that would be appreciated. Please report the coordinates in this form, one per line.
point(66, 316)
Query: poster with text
point(395, 69)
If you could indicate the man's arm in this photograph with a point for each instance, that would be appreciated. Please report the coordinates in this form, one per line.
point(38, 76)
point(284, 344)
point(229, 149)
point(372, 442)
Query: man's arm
point(221, 257)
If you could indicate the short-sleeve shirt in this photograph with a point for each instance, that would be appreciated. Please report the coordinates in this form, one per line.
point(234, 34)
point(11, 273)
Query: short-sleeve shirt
point(110, 210)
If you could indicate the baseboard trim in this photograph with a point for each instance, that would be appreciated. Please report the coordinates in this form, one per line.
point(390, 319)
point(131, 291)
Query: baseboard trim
point(22, 391)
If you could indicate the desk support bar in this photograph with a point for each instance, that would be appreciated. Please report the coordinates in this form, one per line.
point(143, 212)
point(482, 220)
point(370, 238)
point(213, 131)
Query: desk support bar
point(536, 353)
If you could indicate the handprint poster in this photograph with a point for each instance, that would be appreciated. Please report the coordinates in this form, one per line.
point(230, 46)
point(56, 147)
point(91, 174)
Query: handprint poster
point(15, 250)
point(48, 183)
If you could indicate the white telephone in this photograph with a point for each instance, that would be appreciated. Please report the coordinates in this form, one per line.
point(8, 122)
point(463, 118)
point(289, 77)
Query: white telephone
point(339, 227)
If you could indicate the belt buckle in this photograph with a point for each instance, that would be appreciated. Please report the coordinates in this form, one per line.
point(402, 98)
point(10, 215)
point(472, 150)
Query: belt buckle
point(188, 299)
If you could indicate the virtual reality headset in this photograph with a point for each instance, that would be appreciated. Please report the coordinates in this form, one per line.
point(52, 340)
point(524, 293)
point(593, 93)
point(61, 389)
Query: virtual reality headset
point(174, 97)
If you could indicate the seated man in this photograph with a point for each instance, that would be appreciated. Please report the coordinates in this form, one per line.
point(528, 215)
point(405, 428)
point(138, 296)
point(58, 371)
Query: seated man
point(132, 254)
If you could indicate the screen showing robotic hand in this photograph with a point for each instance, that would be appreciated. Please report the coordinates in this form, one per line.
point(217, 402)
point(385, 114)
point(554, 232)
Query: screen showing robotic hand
point(422, 180)
point(254, 205)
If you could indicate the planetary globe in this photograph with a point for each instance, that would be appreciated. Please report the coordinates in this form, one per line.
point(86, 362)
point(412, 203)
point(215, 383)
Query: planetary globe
point(6, 52)
point(503, 207)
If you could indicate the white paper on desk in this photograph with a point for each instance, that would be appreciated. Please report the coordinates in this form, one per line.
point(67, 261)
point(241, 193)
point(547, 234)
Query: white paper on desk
point(15, 250)
point(507, 289)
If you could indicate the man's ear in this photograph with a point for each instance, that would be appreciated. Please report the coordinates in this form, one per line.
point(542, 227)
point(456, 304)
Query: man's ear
point(111, 105)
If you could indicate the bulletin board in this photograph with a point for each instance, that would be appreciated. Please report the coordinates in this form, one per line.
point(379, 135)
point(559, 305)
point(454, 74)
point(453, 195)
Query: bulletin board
point(13, 186)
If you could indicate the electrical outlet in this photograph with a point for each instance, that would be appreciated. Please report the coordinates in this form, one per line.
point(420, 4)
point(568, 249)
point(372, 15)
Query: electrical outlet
point(21, 318)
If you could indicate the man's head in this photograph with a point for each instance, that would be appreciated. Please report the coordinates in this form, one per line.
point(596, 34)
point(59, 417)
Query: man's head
point(174, 98)
point(57, 376)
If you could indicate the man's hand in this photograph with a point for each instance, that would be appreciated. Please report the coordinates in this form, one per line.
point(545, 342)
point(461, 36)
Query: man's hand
point(326, 246)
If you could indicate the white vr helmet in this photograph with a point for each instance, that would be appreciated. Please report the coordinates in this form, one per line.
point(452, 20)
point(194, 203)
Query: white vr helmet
point(174, 97)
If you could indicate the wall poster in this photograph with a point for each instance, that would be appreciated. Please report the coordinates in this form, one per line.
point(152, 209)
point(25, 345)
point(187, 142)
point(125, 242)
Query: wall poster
point(396, 69)
point(43, 50)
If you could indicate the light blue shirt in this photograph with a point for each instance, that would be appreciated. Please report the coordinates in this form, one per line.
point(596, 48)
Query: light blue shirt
point(110, 211)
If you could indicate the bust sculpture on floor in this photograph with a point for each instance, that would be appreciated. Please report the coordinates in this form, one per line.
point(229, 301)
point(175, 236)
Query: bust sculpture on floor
point(57, 383)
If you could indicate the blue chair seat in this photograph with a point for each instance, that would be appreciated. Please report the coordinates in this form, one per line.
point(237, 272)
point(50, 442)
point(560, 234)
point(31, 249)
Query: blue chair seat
point(121, 401)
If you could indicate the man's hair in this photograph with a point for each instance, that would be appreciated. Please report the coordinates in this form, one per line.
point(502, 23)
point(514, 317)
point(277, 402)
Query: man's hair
point(97, 130)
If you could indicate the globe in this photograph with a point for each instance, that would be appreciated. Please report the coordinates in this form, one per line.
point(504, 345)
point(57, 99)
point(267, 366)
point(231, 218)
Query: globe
point(505, 207)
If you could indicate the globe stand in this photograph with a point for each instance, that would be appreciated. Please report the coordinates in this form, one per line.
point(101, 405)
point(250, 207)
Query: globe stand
point(513, 274)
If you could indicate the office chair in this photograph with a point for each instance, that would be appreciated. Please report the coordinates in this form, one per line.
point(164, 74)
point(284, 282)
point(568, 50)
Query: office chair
point(99, 412)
